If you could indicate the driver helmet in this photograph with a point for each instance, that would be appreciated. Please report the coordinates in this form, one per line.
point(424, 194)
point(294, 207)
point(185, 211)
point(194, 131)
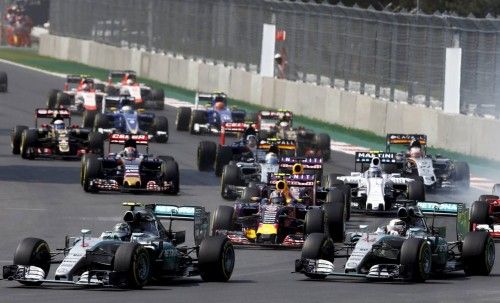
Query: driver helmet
point(123, 231)
point(251, 141)
point(127, 109)
point(219, 105)
point(271, 158)
point(86, 87)
point(59, 124)
point(396, 227)
point(130, 152)
point(283, 124)
point(276, 198)
point(374, 172)
point(415, 152)
point(130, 81)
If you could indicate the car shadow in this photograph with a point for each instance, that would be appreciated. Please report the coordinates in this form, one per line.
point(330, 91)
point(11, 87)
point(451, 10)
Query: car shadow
point(40, 174)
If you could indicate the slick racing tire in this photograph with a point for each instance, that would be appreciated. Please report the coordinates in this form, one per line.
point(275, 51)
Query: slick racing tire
point(323, 143)
point(96, 143)
point(29, 141)
point(158, 95)
point(335, 215)
point(170, 173)
point(62, 100)
point(230, 176)
point(314, 221)
point(318, 246)
point(100, 121)
point(15, 139)
point(160, 123)
point(33, 252)
point(416, 191)
point(197, 117)
point(206, 155)
point(52, 98)
point(88, 118)
point(479, 212)
point(132, 260)
point(416, 257)
point(83, 163)
point(183, 118)
point(3, 82)
point(216, 259)
point(478, 253)
point(223, 156)
point(222, 219)
point(462, 174)
point(91, 170)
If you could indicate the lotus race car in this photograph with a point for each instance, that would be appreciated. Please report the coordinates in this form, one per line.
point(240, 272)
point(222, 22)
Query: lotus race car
point(129, 171)
point(139, 250)
point(407, 248)
point(55, 139)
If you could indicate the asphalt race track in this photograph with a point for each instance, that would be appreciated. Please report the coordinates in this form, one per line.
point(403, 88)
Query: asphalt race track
point(43, 198)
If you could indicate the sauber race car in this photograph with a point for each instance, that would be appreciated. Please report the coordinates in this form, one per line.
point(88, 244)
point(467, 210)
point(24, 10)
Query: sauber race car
point(144, 96)
point(136, 252)
point(407, 248)
point(279, 124)
point(374, 190)
point(3, 82)
point(280, 214)
point(128, 170)
point(485, 214)
point(55, 139)
point(80, 93)
point(436, 172)
point(118, 116)
point(207, 119)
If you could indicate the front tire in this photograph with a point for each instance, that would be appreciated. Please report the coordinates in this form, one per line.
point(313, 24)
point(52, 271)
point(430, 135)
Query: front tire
point(230, 176)
point(318, 246)
point(33, 252)
point(206, 155)
point(170, 172)
point(416, 257)
point(478, 253)
point(183, 118)
point(133, 260)
point(216, 259)
point(160, 123)
point(16, 137)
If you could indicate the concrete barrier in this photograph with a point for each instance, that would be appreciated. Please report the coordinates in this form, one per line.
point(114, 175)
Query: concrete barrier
point(469, 135)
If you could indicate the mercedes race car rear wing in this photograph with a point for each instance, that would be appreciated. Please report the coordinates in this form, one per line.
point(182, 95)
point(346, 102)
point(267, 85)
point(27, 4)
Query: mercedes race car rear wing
point(405, 139)
point(46, 113)
point(452, 209)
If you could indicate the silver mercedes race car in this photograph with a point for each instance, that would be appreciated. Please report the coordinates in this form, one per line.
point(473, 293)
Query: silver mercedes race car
point(137, 251)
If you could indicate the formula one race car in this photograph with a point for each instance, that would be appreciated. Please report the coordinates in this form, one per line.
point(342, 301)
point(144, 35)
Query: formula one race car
point(375, 190)
point(436, 172)
point(485, 214)
point(80, 93)
point(282, 213)
point(55, 140)
point(118, 116)
point(130, 171)
point(139, 250)
point(210, 118)
point(407, 248)
point(3, 82)
point(279, 124)
point(144, 96)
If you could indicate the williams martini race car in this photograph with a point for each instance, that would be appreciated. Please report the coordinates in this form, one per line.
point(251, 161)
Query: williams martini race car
point(144, 96)
point(485, 213)
point(407, 248)
point(376, 191)
point(208, 119)
point(119, 117)
point(137, 252)
point(55, 139)
point(436, 172)
point(80, 93)
point(282, 213)
point(128, 170)
point(279, 124)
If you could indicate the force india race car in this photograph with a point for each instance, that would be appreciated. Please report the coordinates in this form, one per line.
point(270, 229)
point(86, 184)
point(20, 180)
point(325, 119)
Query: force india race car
point(118, 116)
point(485, 213)
point(129, 171)
point(210, 118)
point(407, 248)
point(138, 251)
point(55, 140)
point(374, 190)
point(279, 124)
point(281, 217)
point(436, 172)
point(3, 82)
point(144, 96)
point(80, 93)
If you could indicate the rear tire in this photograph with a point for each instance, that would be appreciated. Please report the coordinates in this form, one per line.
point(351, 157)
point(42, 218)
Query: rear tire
point(158, 95)
point(416, 257)
point(216, 259)
point(16, 137)
point(133, 259)
point(230, 176)
point(52, 98)
point(314, 222)
point(317, 246)
point(223, 156)
point(91, 170)
point(206, 155)
point(416, 191)
point(170, 172)
point(462, 174)
point(183, 118)
point(160, 123)
point(33, 252)
point(222, 219)
point(323, 143)
point(62, 100)
point(100, 121)
point(335, 217)
point(478, 253)
point(197, 117)
point(479, 212)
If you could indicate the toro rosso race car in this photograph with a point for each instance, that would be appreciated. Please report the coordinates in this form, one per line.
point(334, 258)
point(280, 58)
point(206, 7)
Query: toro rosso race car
point(144, 96)
point(136, 252)
point(374, 190)
point(406, 249)
point(207, 119)
point(485, 214)
point(55, 139)
point(128, 170)
point(282, 213)
point(118, 116)
point(436, 172)
point(279, 124)
point(80, 93)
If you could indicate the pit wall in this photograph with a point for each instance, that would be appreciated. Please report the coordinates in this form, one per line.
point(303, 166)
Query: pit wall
point(464, 134)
